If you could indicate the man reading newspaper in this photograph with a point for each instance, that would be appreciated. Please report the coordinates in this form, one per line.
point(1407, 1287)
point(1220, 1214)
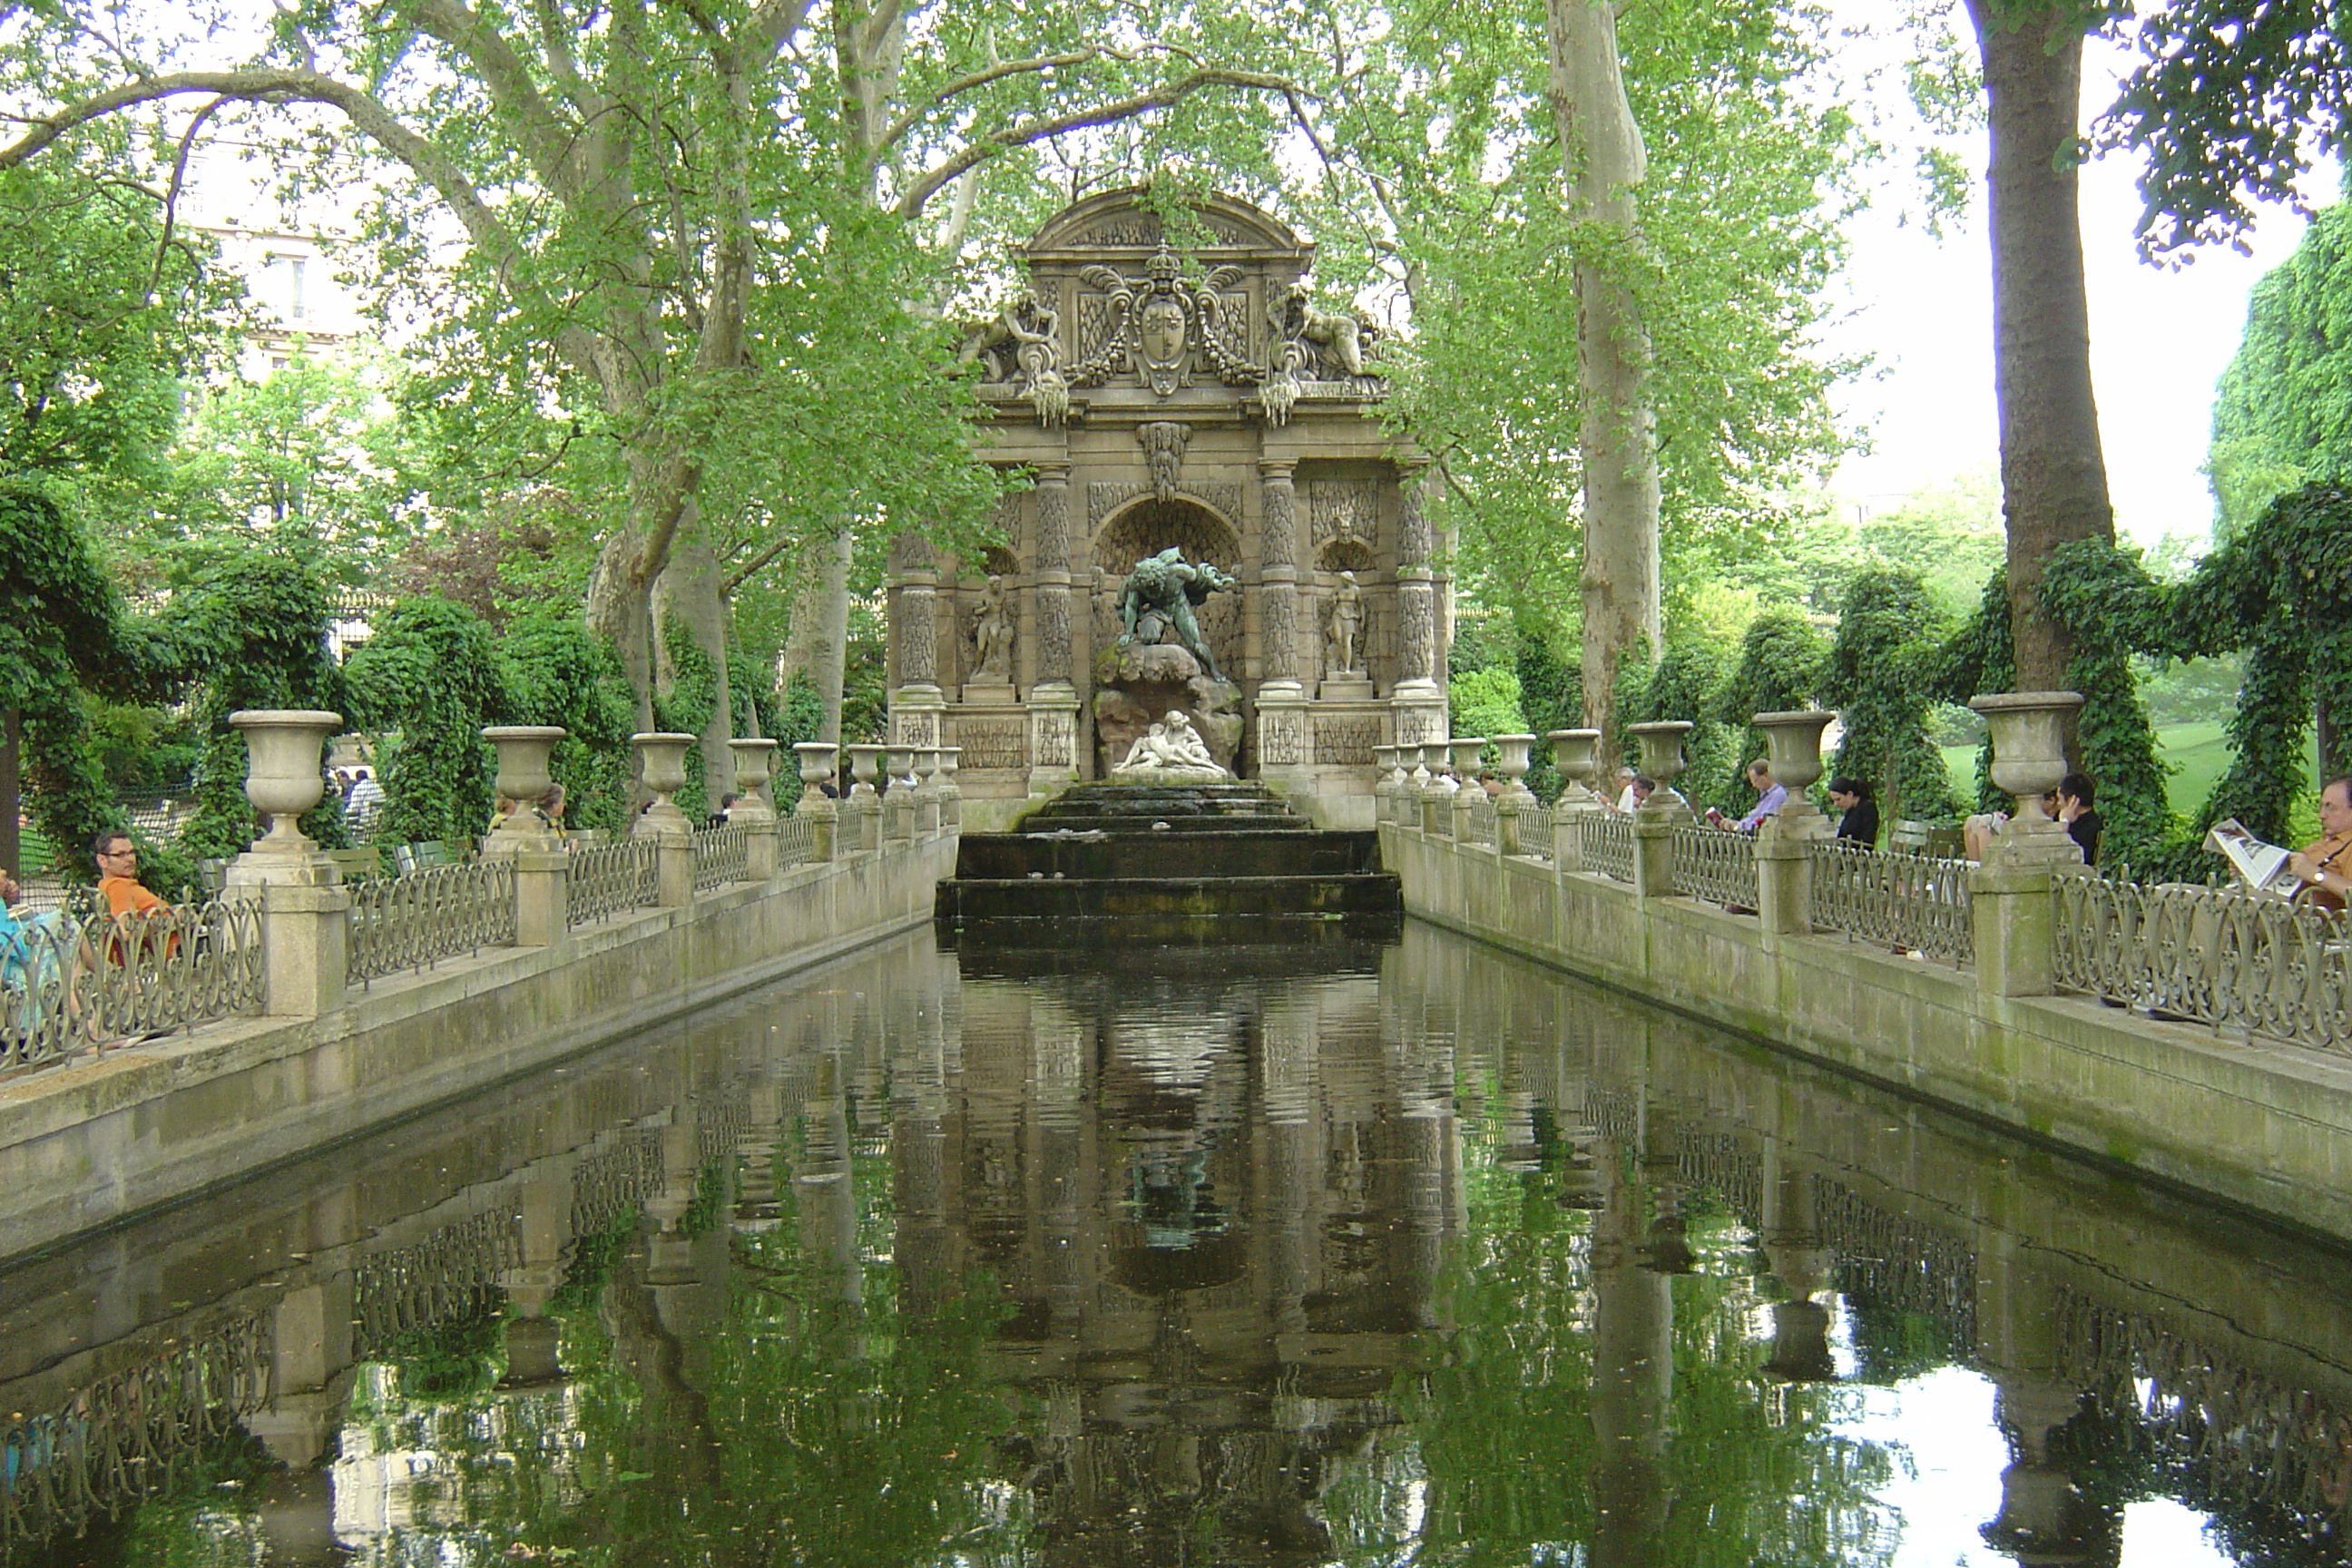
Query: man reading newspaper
point(2321, 872)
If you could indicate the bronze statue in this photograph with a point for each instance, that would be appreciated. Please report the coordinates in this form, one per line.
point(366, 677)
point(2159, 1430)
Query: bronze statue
point(1161, 594)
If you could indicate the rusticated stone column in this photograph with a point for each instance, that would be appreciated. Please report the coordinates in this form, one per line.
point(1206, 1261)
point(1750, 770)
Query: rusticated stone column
point(1418, 701)
point(1278, 570)
point(916, 700)
point(1054, 698)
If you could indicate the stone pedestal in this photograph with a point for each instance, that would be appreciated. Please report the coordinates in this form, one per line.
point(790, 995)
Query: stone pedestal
point(1654, 851)
point(1784, 884)
point(1282, 747)
point(674, 868)
point(1053, 737)
point(542, 883)
point(305, 944)
point(987, 691)
point(2013, 920)
point(1344, 688)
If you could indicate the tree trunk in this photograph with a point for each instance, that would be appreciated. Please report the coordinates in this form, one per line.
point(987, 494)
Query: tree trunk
point(2054, 477)
point(1601, 150)
point(689, 598)
point(620, 608)
point(817, 641)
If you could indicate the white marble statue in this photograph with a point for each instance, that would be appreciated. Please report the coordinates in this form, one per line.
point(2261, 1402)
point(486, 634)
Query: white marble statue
point(1171, 752)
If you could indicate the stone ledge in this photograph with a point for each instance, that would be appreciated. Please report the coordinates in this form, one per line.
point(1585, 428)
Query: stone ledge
point(2268, 1127)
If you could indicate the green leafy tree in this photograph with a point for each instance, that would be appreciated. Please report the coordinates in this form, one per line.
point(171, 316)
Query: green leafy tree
point(1880, 676)
point(1779, 667)
point(557, 671)
point(430, 676)
point(2282, 416)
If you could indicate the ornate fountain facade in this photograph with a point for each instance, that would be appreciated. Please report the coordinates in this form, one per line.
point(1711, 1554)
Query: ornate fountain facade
point(1179, 388)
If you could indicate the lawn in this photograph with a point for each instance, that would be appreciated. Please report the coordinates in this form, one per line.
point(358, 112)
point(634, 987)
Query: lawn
point(2195, 753)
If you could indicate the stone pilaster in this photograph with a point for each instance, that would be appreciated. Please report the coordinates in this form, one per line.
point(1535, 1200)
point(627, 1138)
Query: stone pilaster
point(1279, 573)
point(1056, 645)
point(543, 885)
point(1653, 854)
point(1053, 737)
point(1417, 698)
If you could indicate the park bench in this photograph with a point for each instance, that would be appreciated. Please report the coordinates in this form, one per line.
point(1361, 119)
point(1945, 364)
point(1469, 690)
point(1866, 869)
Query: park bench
point(358, 865)
point(1925, 838)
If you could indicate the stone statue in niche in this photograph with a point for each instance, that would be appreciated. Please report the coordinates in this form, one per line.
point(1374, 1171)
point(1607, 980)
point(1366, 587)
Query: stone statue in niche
point(993, 635)
point(1163, 442)
point(1160, 598)
point(1171, 752)
point(1343, 640)
point(1338, 338)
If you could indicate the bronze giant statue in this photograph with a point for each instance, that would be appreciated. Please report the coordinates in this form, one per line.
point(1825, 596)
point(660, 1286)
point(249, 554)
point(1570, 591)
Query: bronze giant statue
point(1160, 593)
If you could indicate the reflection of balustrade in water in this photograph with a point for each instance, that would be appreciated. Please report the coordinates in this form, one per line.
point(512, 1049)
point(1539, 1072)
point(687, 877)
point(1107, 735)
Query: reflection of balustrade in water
point(1916, 902)
point(2242, 1442)
point(421, 917)
point(1899, 1261)
point(2210, 955)
point(1715, 866)
point(434, 1280)
point(124, 1436)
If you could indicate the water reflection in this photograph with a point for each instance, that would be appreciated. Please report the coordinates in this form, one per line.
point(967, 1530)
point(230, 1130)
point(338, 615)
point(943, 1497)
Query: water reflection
point(1252, 1255)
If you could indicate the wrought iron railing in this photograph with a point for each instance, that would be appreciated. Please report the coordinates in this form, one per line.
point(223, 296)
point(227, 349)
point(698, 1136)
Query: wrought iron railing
point(415, 919)
point(430, 1281)
point(607, 878)
point(1715, 866)
point(1482, 826)
point(722, 855)
point(2225, 959)
point(1608, 844)
point(1915, 902)
point(69, 985)
point(796, 838)
point(108, 1444)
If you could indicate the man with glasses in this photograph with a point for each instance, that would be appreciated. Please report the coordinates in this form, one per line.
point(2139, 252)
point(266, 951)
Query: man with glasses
point(2326, 863)
point(118, 876)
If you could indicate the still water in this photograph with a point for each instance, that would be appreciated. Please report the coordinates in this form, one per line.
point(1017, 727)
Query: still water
point(1339, 1254)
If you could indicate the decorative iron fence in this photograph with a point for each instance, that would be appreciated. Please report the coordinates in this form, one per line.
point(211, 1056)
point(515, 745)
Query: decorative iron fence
point(69, 984)
point(414, 921)
point(1482, 827)
point(607, 878)
point(127, 1436)
point(796, 838)
point(444, 1276)
point(1916, 902)
point(1715, 866)
point(1608, 844)
point(722, 855)
point(2210, 956)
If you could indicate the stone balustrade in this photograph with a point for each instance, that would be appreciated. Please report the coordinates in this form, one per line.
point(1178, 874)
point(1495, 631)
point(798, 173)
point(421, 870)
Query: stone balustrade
point(290, 939)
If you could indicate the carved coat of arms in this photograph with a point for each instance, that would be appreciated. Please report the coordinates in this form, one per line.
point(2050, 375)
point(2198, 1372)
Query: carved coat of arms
point(1160, 327)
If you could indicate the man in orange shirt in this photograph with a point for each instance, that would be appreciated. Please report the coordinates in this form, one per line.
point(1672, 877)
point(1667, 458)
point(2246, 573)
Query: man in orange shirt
point(118, 876)
point(2326, 863)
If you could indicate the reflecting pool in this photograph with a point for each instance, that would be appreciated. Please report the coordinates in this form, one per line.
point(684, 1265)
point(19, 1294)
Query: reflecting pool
point(1336, 1253)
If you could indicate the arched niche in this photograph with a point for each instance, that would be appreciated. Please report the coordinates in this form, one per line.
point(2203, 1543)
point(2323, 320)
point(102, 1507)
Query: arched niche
point(1145, 527)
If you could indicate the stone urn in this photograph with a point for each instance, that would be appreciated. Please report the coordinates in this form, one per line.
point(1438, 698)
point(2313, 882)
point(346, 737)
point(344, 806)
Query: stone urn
point(817, 763)
point(900, 761)
point(1414, 757)
point(283, 776)
point(950, 792)
point(1515, 754)
point(1792, 744)
point(1465, 750)
point(755, 765)
point(1575, 752)
point(2028, 758)
point(523, 751)
point(864, 767)
point(661, 768)
point(1662, 760)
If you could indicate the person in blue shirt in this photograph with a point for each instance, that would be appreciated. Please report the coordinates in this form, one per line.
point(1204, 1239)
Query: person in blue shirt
point(1770, 798)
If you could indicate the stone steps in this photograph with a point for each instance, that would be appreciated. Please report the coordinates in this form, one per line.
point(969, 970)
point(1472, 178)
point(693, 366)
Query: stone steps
point(1169, 862)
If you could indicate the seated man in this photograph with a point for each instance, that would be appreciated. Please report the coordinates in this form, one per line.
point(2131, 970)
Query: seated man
point(1770, 798)
point(118, 876)
point(1626, 799)
point(2326, 863)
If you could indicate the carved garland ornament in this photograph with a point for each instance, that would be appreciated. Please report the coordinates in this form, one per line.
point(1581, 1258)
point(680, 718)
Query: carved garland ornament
point(1154, 325)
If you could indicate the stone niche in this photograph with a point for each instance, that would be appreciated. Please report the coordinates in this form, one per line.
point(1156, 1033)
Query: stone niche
point(1183, 385)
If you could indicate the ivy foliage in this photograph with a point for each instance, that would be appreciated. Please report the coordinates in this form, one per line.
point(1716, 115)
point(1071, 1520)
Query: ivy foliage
point(1779, 665)
point(2282, 413)
point(1880, 676)
point(63, 632)
point(2281, 593)
point(428, 680)
point(250, 633)
point(1684, 685)
point(684, 704)
point(559, 672)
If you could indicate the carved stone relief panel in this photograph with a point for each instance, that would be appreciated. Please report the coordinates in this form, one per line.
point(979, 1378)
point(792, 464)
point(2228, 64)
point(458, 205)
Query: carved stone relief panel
point(1281, 737)
point(993, 743)
point(1347, 739)
point(1343, 522)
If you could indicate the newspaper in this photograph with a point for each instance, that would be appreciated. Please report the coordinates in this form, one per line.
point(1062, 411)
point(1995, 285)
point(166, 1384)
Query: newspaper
point(2259, 866)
